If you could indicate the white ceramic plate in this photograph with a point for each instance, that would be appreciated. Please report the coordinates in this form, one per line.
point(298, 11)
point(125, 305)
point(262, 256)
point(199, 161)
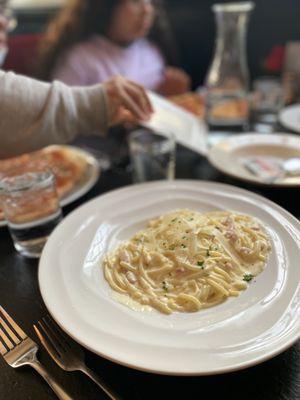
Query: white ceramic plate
point(289, 117)
point(229, 154)
point(85, 184)
point(263, 321)
point(188, 130)
point(87, 181)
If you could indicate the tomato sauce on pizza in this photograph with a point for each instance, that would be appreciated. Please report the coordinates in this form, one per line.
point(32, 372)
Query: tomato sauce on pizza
point(67, 165)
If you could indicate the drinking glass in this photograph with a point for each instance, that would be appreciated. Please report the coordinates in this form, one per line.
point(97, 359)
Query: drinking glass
point(266, 101)
point(152, 156)
point(7, 13)
point(31, 208)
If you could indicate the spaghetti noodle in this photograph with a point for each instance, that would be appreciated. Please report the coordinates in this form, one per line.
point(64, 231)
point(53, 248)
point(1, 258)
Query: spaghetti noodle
point(186, 261)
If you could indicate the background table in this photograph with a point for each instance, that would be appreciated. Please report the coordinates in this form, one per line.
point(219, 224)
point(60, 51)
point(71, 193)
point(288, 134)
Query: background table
point(276, 379)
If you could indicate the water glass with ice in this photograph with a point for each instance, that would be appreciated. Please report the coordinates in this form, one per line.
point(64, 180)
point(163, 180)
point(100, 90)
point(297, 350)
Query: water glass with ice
point(152, 156)
point(31, 208)
point(267, 99)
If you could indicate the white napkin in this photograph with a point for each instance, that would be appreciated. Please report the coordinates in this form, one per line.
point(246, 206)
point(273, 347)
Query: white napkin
point(168, 118)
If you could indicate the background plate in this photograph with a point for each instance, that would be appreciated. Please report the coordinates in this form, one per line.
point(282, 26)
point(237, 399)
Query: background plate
point(227, 155)
point(263, 321)
point(290, 117)
point(88, 180)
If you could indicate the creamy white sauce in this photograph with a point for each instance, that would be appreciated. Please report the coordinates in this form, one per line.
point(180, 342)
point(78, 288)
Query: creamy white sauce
point(129, 302)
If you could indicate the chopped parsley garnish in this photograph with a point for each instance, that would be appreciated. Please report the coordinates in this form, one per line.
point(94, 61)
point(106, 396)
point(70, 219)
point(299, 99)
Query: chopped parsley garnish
point(248, 277)
point(200, 264)
point(191, 219)
point(173, 220)
point(183, 246)
point(165, 286)
point(208, 251)
point(172, 247)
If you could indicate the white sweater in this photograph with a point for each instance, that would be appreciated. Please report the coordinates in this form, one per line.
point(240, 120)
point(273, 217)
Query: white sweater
point(34, 114)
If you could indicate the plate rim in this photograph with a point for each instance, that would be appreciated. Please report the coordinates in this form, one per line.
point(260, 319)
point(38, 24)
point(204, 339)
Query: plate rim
point(219, 370)
point(286, 110)
point(219, 166)
point(82, 189)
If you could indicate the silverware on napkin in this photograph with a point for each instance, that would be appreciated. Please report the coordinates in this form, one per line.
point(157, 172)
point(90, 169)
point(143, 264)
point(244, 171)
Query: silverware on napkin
point(18, 350)
point(66, 353)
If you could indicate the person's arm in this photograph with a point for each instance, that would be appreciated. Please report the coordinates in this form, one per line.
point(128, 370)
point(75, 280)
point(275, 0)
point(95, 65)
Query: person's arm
point(34, 114)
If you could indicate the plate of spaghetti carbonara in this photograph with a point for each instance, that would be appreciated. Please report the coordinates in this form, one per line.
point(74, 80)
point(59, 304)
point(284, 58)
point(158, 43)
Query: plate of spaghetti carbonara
point(176, 277)
point(186, 261)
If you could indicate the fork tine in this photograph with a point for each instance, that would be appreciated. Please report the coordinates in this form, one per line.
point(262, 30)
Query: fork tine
point(16, 327)
point(54, 334)
point(3, 349)
point(50, 337)
point(45, 340)
point(64, 339)
point(6, 340)
point(8, 336)
point(6, 328)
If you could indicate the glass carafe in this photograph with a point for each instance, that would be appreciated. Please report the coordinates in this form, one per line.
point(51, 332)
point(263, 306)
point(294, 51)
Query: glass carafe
point(227, 81)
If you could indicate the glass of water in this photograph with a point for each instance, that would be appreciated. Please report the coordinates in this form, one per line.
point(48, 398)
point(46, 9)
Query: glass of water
point(267, 100)
point(31, 208)
point(152, 156)
point(7, 24)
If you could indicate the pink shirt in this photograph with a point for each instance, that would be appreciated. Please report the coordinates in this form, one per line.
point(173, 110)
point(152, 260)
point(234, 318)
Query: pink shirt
point(98, 59)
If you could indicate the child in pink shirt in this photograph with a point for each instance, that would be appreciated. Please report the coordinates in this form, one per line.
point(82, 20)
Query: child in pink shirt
point(93, 40)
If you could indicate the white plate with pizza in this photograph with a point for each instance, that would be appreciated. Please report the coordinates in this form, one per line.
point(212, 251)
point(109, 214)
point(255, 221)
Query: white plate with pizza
point(76, 170)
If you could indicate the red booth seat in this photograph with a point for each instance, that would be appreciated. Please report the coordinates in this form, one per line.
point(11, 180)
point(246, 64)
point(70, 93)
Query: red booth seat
point(22, 54)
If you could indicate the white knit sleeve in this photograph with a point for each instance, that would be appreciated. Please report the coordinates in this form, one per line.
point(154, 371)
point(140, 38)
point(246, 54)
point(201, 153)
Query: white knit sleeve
point(34, 114)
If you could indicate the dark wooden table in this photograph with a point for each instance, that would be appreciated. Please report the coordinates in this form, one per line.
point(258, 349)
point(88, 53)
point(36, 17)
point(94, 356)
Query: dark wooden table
point(276, 379)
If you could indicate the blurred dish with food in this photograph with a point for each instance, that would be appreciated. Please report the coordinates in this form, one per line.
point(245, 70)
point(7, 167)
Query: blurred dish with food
point(75, 170)
point(267, 159)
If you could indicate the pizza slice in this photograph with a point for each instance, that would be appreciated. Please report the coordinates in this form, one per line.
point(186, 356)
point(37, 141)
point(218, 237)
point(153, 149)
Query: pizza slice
point(67, 164)
point(192, 102)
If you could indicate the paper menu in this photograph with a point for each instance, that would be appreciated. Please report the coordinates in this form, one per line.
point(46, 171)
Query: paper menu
point(168, 118)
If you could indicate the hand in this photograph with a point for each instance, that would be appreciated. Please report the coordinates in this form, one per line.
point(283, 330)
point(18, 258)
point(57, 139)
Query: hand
point(126, 102)
point(176, 81)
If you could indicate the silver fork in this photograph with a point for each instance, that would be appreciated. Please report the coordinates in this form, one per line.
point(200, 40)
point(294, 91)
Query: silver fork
point(66, 353)
point(18, 349)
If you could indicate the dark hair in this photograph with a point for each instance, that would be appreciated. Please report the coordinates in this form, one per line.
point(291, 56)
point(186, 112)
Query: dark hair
point(82, 18)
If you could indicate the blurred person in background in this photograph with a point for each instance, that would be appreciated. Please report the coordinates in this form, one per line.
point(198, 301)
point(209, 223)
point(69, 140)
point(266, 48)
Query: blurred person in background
point(34, 114)
point(93, 40)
